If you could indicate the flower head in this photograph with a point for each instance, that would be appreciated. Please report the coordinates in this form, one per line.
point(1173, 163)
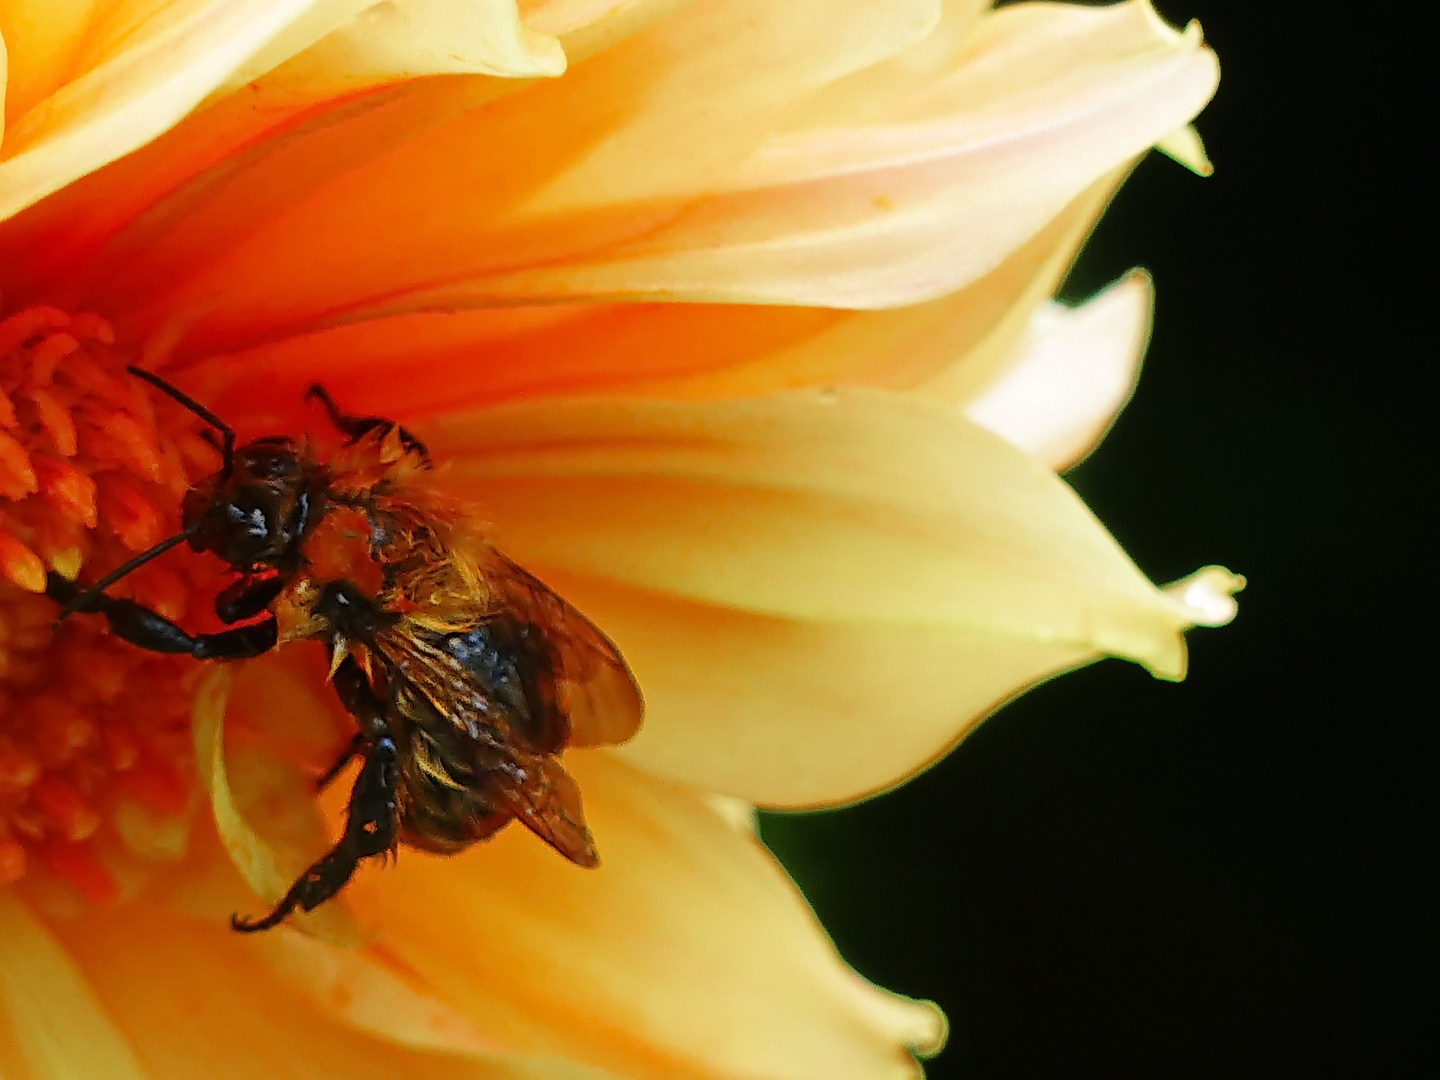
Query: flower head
point(730, 318)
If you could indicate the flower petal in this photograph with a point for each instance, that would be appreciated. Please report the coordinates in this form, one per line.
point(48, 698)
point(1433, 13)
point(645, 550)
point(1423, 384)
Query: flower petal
point(147, 66)
point(793, 714)
point(52, 1027)
point(1076, 370)
point(788, 535)
point(1184, 145)
point(420, 365)
point(687, 954)
point(648, 125)
point(365, 44)
point(292, 839)
point(789, 505)
point(195, 999)
point(1045, 99)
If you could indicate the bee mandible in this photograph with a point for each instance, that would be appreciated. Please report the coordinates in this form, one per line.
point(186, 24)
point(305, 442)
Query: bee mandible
point(465, 675)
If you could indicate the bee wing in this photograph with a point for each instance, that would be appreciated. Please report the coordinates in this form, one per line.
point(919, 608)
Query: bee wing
point(531, 785)
point(594, 688)
point(547, 802)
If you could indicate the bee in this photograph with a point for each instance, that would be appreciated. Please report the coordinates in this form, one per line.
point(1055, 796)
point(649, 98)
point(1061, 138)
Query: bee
point(465, 675)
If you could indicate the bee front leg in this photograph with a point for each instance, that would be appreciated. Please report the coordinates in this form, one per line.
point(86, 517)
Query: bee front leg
point(150, 630)
point(248, 597)
point(371, 825)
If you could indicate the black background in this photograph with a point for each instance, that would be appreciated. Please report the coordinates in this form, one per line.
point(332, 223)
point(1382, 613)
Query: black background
point(1233, 876)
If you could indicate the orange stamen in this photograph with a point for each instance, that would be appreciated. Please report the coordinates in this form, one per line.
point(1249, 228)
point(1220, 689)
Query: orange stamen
point(92, 468)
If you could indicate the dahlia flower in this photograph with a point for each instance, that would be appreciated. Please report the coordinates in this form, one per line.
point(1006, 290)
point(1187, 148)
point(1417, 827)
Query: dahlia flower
point(730, 318)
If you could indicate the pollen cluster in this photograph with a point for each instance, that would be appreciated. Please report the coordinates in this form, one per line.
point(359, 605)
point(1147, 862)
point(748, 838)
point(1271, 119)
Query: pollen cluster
point(94, 733)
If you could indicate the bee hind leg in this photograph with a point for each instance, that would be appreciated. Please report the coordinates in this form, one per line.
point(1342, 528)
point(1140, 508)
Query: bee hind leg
point(371, 828)
point(354, 748)
point(356, 427)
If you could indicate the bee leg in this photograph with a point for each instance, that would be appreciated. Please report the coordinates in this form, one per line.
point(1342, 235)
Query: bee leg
point(371, 826)
point(358, 745)
point(356, 427)
point(353, 689)
point(149, 629)
point(248, 597)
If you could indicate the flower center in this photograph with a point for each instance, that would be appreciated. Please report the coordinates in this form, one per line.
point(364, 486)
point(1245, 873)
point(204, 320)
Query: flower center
point(95, 753)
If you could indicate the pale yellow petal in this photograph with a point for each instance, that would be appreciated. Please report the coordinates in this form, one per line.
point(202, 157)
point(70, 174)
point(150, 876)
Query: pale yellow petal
point(1184, 145)
point(1076, 369)
point(1206, 597)
point(787, 713)
point(52, 1027)
point(882, 91)
point(738, 72)
point(1045, 99)
point(687, 954)
point(818, 592)
point(351, 44)
point(852, 507)
point(145, 68)
point(588, 27)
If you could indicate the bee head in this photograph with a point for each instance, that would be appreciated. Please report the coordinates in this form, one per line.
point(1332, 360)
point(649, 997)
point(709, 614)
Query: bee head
point(255, 510)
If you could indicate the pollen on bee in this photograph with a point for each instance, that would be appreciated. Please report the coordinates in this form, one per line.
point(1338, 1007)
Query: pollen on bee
point(91, 471)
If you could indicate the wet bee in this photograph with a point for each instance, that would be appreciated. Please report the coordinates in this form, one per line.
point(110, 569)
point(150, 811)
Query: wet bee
point(465, 675)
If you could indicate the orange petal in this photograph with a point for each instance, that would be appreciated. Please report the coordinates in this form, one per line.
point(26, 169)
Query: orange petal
point(194, 999)
point(1076, 369)
point(426, 364)
point(142, 68)
point(857, 513)
point(647, 124)
point(53, 1026)
point(686, 954)
point(63, 232)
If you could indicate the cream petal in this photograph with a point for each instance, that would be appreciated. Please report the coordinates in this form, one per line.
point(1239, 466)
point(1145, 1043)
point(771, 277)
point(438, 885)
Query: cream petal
point(646, 125)
point(687, 954)
point(1077, 368)
point(1184, 145)
point(52, 1026)
point(785, 505)
point(1206, 597)
point(360, 43)
point(791, 714)
point(880, 92)
point(1045, 100)
point(146, 67)
point(748, 556)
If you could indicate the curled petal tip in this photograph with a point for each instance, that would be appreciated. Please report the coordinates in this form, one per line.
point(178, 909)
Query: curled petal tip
point(1184, 146)
point(1207, 597)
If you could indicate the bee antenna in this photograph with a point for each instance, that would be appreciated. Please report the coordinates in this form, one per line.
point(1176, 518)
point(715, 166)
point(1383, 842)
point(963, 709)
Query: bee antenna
point(83, 600)
point(227, 433)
